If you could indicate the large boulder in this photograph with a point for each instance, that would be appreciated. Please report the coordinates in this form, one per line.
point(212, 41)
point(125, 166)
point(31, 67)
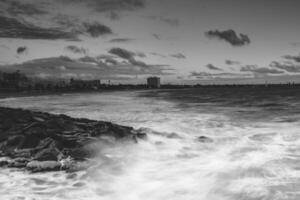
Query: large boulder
point(42, 141)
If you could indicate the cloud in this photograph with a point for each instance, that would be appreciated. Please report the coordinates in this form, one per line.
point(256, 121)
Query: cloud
point(156, 36)
point(212, 67)
point(20, 8)
point(214, 76)
point(88, 59)
point(65, 67)
point(294, 58)
point(158, 54)
point(122, 53)
point(229, 36)
point(287, 67)
point(200, 74)
point(232, 62)
point(129, 58)
point(113, 5)
point(120, 40)
point(12, 28)
point(95, 29)
point(295, 44)
point(140, 54)
point(260, 70)
point(169, 21)
point(21, 50)
point(76, 50)
point(178, 56)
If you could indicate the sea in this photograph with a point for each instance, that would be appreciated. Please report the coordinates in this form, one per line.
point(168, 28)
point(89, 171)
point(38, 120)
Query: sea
point(253, 151)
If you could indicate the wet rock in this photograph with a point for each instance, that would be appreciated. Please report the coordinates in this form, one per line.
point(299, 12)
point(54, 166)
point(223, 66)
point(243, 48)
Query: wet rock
point(205, 139)
point(47, 154)
point(18, 162)
point(42, 141)
point(4, 161)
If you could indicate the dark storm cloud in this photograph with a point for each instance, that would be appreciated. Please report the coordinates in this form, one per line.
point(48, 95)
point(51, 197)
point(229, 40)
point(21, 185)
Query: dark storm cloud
point(110, 5)
point(76, 49)
point(232, 62)
point(294, 58)
point(287, 67)
point(170, 21)
point(178, 56)
point(260, 70)
point(21, 8)
point(12, 28)
point(21, 50)
point(121, 40)
point(212, 67)
point(229, 36)
point(95, 29)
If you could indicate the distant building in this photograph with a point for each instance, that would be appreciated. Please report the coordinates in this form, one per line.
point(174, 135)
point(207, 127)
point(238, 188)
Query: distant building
point(81, 84)
point(153, 82)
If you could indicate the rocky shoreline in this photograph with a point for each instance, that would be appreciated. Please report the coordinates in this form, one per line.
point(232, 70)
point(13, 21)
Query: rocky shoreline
point(39, 141)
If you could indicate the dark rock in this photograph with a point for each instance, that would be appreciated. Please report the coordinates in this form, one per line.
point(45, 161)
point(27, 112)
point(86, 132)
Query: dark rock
point(18, 162)
point(4, 161)
point(42, 141)
point(47, 154)
point(205, 139)
point(15, 140)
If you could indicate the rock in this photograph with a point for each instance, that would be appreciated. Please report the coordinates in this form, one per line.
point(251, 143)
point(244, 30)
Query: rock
point(14, 140)
point(44, 142)
point(47, 154)
point(18, 162)
point(41, 166)
point(4, 161)
point(205, 139)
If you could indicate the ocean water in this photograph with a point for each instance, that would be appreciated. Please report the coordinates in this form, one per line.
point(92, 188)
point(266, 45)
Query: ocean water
point(254, 155)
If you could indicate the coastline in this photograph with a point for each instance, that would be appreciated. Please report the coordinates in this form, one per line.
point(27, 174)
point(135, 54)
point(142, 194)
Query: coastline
point(39, 141)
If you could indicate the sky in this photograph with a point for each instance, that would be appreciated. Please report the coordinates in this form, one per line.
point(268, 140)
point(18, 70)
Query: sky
point(125, 41)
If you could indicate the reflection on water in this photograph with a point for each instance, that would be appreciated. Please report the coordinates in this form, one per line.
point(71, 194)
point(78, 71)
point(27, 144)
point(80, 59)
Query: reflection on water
point(255, 153)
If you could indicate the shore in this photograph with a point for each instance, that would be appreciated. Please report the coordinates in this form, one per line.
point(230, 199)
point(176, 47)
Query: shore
point(39, 141)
